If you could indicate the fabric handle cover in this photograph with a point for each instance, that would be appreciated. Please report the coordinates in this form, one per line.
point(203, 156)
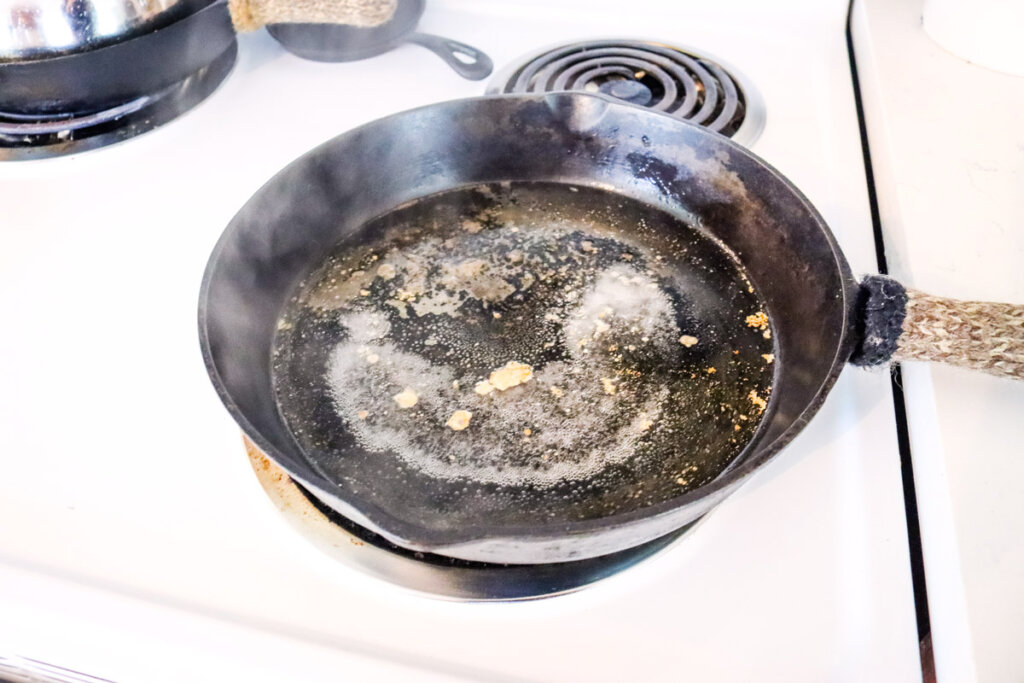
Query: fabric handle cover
point(250, 15)
point(897, 323)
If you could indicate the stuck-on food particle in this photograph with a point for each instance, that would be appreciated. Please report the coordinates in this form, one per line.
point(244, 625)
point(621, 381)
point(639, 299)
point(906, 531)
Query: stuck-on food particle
point(483, 387)
point(687, 340)
point(406, 398)
point(557, 393)
point(768, 357)
point(759, 321)
point(511, 375)
point(609, 386)
point(757, 400)
point(386, 271)
point(681, 481)
point(712, 371)
point(527, 432)
point(363, 414)
point(497, 316)
point(459, 420)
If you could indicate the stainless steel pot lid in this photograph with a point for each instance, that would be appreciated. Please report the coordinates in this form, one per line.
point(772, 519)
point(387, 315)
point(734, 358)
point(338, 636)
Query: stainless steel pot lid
point(33, 29)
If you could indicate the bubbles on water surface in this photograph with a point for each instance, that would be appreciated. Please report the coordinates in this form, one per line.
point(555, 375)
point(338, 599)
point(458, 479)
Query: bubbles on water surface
point(629, 342)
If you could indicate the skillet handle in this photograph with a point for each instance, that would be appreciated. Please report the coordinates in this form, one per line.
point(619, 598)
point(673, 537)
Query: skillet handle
point(466, 60)
point(249, 15)
point(904, 324)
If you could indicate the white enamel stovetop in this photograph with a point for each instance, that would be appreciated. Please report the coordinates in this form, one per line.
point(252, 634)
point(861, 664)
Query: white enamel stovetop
point(949, 184)
point(135, 542)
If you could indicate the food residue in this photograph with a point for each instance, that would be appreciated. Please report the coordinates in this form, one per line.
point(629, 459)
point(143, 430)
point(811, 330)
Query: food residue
point(483, 387)
point(511, 375)
point(687, 341)
point(406, 398)
point(363, 414)
point(609, 386)
point(757, 401)
point(759, 321)
point(459, 420)
point(768, 357)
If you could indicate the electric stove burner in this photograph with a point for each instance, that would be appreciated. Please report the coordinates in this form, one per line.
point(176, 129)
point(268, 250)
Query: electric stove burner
point(437, 575)
point(36, 137)
point(677, 81)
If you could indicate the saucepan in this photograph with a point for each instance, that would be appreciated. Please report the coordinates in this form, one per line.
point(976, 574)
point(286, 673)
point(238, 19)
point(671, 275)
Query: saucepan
point(341, 43)
point(534, 329)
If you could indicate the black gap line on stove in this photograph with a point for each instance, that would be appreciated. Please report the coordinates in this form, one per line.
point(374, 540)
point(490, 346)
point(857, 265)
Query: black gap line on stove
point(898, 398)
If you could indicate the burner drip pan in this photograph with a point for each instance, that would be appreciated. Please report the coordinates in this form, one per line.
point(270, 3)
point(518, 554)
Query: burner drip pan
point(24, 137)
point(436, 575)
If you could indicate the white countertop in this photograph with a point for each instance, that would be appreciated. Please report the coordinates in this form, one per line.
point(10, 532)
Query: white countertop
point(130, 509)
point(947, 144)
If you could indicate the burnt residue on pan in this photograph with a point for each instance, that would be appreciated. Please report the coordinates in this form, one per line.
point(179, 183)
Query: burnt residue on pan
point(510, 347)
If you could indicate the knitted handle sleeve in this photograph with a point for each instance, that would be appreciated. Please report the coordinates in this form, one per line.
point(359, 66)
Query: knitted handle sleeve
point(904, 324)
point(249, 15)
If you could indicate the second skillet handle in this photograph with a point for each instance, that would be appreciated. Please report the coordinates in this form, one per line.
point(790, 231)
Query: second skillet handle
point(904, 324)
point(467, 61)
point(249, 15)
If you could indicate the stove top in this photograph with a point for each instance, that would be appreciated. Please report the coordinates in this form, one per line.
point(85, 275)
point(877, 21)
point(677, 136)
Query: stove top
point(138, 522)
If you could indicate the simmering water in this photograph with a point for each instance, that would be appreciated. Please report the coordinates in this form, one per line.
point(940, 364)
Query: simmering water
point(528, 335)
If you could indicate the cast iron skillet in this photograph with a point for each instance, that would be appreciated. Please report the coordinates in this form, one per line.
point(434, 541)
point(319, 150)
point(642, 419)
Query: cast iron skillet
point(339, 43)
point(587, 141)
